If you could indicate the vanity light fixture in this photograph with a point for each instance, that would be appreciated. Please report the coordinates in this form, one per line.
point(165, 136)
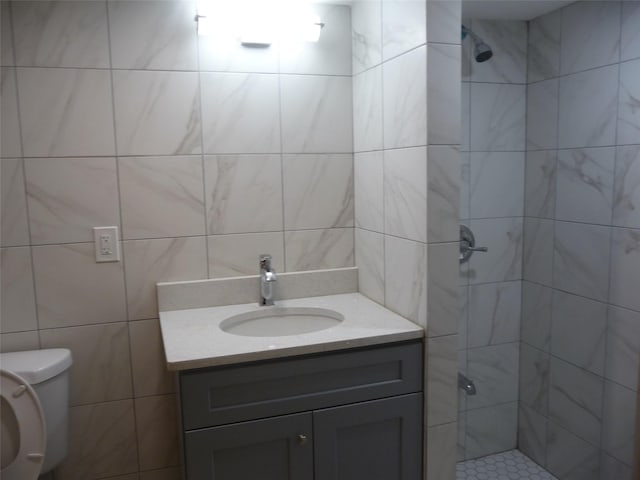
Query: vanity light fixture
point(258, 27)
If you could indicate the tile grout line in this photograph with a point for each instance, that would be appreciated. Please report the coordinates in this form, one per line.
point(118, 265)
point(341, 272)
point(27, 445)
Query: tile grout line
point(122, 252)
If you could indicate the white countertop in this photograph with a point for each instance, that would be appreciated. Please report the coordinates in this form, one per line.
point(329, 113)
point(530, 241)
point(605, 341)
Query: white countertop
point(193, 338)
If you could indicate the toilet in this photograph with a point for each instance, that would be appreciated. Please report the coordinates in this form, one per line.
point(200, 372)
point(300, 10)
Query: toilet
point(34, 396)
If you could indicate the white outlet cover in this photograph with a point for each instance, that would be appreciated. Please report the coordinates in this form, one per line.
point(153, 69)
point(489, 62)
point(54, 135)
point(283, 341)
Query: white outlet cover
point(107, 244)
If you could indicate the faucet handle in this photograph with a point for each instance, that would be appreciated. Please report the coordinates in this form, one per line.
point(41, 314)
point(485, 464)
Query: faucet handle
point(265, 261)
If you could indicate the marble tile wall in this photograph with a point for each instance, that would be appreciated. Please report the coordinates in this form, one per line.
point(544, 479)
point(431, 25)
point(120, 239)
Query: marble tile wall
point(580, 354)
point(492, 205)
point(406, 57)
point(203, 154)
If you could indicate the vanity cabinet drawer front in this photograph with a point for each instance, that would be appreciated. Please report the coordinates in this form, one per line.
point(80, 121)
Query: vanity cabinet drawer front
point(224, 395)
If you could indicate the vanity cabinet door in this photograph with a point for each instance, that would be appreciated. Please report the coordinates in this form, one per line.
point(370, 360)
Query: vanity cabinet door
point(376, 440)
point(271, 449)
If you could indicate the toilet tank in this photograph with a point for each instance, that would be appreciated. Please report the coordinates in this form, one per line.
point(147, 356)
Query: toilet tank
point(47, 371)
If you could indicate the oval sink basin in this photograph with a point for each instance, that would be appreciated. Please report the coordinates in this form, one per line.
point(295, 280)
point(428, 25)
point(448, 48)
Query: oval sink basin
point(281, 321)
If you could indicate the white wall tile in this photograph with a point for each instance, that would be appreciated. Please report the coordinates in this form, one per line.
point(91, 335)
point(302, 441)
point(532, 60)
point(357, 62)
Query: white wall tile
point(500, 421)
point(331, 54)
point(495, 370)
point(629, 96)
point(612, 468)
point(572, 314)
point(223, 53)
point(463, 325)
point(441, 450)
point(149, 372)
point(405, 193)
point(95, 348)
point(240, 113)
point(542, 114)
point(319, 249)
point(630, 30)
point(18, 297)
point(316, 114)
point(493, 172)
point(370, 261)
point(579, 265)
point(503, 261)
point(405, 278)
point(625, 265)
point(626, 190)
point(498, 113)
point(157, 431)
point(569, 456)
point(543, 53)
point(538, 250)
point(443, 94)
point(6, 32)
point(465, 100)
point(157, 113)
point(14, 230)
point(404, 87)
point(10, 128)
point(161, 197)
point(465, 187)
point(534, 379)
point(619, 420)
point(237, 255)
point(61, 34)
point(367, 110)
point(153, 35)
point(148, 262)
point(19, 341)
point(590, 35)
point(588, 107)
point(508, 41)
point(366, 41)
point(368, 190)
point(442, 289)
point(494, 313)
point(443, 21)
point(536, 315)
point(532, 434)
point(404, 26)
point(585, 185)
point(575, 400)
point(102, 441)
point(66, 112)
point(307, 180)
point(243, 193)
point(442, 380)
point(540, 184)
point(72, 289)
point(622, 361)
point(443, 193)
point(67, 197)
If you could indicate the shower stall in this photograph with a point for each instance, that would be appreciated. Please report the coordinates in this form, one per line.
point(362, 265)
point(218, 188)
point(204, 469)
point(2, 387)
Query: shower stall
point(549, 333)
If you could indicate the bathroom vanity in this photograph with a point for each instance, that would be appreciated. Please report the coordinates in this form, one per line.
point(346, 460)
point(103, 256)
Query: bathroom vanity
point(353, 414)
point(343, 400)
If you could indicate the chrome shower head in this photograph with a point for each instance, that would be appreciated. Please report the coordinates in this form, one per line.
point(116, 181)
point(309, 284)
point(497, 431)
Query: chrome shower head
point(481, 51)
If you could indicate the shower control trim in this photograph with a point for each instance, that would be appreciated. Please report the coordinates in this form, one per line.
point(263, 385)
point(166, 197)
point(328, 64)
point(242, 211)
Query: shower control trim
point(468, 244)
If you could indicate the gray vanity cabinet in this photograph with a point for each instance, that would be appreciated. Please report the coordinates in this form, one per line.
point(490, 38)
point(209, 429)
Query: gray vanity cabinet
point(354, 414)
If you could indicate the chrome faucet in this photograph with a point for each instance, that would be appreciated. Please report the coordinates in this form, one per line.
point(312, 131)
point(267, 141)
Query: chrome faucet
point(267, 279)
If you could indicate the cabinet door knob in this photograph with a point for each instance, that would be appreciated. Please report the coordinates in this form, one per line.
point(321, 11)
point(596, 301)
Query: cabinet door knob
point(302, 439)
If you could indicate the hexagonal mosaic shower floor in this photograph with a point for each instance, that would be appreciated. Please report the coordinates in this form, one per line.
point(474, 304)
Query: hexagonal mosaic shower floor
point(511, 465)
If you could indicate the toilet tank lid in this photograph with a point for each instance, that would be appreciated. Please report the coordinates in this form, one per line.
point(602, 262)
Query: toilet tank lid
point(37, 366)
